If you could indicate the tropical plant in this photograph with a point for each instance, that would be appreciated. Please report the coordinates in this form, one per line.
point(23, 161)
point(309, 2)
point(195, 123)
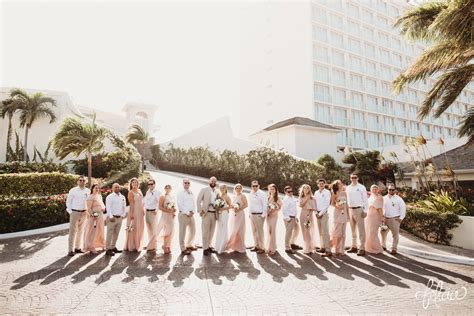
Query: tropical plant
point(441, 201)
point(365, 164)
point(138, 136)
point(331, 170)
point(76, 137)
point(31, 108)
point(8, 109)
point(448, 26)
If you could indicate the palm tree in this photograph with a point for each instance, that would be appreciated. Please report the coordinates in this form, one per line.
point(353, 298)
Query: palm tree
point(75, 137)
point(138, 136)
point(31, 108)
point(448, 26)
point(8, 108)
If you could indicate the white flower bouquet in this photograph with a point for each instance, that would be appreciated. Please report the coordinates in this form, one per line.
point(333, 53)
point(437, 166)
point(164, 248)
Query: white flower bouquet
point(171, 206)
point(383, 226)
point(218, 204)
point(236, 207)
point(341, 204)
point(95, 214)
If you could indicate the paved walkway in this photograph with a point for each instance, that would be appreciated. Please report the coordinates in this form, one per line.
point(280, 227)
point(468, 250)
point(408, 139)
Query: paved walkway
point(36, 277)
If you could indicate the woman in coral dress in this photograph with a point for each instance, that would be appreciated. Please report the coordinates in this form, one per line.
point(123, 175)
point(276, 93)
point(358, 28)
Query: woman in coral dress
point(308, 205)
point(340, 217)
point(373, 221)
point(236, 240)
point(274, 206)
point(134, 232)
point(165, 229)
point(94, 232)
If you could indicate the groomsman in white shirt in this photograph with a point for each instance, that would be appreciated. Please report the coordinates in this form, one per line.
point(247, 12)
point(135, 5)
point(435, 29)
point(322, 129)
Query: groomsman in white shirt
point(394, 210)
point(205, 201)
point(358, 206)
point(151, 201)
point(323, 200)
point(290, 219)
point(76, 207)
point(186, 208)
point(115, 205)
point(258, 204)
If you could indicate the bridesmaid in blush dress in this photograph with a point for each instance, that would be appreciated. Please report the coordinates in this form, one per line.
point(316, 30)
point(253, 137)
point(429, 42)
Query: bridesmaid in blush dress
point(340, 217)
point(134, 232)
point(165, 228)
point(236, 241)
point(274, 206)
point(373, 221)
point(307, 204)
point(94, 230)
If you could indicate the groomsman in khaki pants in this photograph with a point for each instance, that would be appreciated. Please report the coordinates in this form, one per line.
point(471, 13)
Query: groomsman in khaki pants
point(258, 204)
point(151, 202)
point(187, 208)
point(115, 205)
point(76, 207)
point(205, 202)
point(290, 219)
point(394, 210)
point(323, 200)
point(358, 206)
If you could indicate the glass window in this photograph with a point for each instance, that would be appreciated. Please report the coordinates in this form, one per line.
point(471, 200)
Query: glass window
point(320, 33)
point(338, 57)
point(354, 45)
point(373, 139)
point(383, 38)
point(340, 116)
point(321, 53)
point(371, 85)
point(372, 103)
point(322, 113)
point(386, 73)
point(359, 139)
point(356, 81)
point(366, 15)
point(356, 62)
point(367, 32)
point(353, 26)
point(319, 14)
point(339, 96)
point(321, 73)
point(339, 77)
point(385, 55)
point(358, 119)
point(352, 9)
point(321, 92)
point(336, 20)
point(369, 49)
point(337, 39)
point(371, 67)
point(357, 100)
point(382, 21)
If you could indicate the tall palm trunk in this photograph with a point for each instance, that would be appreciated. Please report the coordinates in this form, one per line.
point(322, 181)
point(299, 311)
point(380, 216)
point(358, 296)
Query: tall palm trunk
point(25, 146)
point(9, 137)
point(89, 168)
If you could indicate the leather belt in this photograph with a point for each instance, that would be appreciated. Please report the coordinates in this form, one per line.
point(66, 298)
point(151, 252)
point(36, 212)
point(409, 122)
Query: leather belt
point(80, 211)
point(116, 216)
point(257, 213)
point(211, 211)
point(292, 216)
point(151, 210)
point(355, 207)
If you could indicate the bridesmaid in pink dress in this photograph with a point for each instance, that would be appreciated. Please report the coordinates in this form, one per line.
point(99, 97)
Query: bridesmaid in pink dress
point(236, 242)
point(94, 230)
point(165, 228)
point(340, 217)
point(373, 221)
point(134, 233)
point(274, 206)
point(307, 204)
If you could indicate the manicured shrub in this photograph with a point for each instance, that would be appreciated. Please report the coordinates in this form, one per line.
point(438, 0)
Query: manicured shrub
point(27, 167)
point(430, 225)
point(36, 184)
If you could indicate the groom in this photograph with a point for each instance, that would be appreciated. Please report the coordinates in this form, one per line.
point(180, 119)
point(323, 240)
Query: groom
point(205, 202)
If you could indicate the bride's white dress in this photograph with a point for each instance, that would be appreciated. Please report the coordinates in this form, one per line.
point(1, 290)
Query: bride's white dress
point(221, 235)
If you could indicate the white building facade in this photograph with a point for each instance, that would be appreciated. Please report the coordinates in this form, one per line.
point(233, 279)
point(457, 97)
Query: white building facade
point(333, 61)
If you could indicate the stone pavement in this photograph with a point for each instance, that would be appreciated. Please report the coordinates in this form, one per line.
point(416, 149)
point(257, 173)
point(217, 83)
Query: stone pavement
point(37, 278)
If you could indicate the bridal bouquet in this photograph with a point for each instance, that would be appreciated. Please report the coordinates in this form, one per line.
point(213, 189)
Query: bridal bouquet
point(307, 222)
point(341, 203)
point(129, 228)
point(272, 206)
point(218, 204)
point(383, 226)
point(171, 206)
point(236, 207)
point(95, 214)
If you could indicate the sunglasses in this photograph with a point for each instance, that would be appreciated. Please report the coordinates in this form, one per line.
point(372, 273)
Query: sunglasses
point(186, 182)
point(353, 177)
point(255, 186)
point(391, 189)
point(82, 180)
point(289, 191)
point(150, 184)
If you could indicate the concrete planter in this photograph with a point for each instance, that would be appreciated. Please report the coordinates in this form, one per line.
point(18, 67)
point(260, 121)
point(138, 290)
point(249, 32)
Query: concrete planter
point(463, 235)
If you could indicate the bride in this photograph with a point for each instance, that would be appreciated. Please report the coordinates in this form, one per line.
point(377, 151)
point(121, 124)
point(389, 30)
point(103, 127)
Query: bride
point(223, 213)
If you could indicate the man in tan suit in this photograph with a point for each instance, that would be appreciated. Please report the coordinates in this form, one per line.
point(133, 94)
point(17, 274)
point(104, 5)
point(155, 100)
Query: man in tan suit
point(205, 201)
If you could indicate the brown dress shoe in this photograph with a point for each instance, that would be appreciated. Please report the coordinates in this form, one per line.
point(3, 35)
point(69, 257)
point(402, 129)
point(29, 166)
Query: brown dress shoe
point(71, 253)
point(185, 252)
point(352, 250)
point(393, 252)
point(361, 252)
point(326, 254)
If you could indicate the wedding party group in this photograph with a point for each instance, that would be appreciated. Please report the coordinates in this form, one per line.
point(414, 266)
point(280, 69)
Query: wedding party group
point(369, 215)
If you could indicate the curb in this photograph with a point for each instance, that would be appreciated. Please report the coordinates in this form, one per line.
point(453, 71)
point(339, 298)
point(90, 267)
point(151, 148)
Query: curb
point(38, 231)
point(437, 257)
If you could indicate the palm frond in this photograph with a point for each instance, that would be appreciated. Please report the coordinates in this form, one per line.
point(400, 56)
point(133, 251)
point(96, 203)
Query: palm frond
point(136, 134)
point(456, 21)
point(446, 89)
point(467, 126)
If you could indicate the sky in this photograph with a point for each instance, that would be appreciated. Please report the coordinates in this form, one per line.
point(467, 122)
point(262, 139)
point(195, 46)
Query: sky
point(181, 56)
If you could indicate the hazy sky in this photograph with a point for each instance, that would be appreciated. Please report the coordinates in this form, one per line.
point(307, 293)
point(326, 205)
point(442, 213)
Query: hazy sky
point(182, 56)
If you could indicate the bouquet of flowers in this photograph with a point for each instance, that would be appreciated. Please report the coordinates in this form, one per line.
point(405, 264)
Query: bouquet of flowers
point(218, 204)
point(383, 226)
point(171, 206)
point(341, 204)
point(236, 207)
point(272, 206)
point(95, 214)
point(307, 222)
point(129, 228)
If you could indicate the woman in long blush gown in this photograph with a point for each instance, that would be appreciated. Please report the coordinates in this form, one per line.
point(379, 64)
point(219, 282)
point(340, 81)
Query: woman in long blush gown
point(134, 234)
point(94, 230)
point(307, 204)
point(236, 240)
point(373, 221)
point(165, 227)
point(274, 206)
point(340, 217)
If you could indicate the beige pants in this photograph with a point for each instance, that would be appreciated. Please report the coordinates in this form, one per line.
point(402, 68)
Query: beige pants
point(394, 226)
point(257, 222)
point(76, 223)
point(186, 221)
point(150, 219)
point(208, 226)
point(323, 229)
point(357, 225)
point(113, 230)
point(292, 231)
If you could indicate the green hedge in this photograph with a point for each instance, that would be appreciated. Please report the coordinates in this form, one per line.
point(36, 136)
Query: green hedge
point(23, 214)
point(26, 167)
point(430, 225)
point(263, 164)
point(36, 184)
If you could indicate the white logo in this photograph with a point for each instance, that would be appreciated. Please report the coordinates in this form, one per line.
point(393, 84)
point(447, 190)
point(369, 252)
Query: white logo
point(435, 293)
